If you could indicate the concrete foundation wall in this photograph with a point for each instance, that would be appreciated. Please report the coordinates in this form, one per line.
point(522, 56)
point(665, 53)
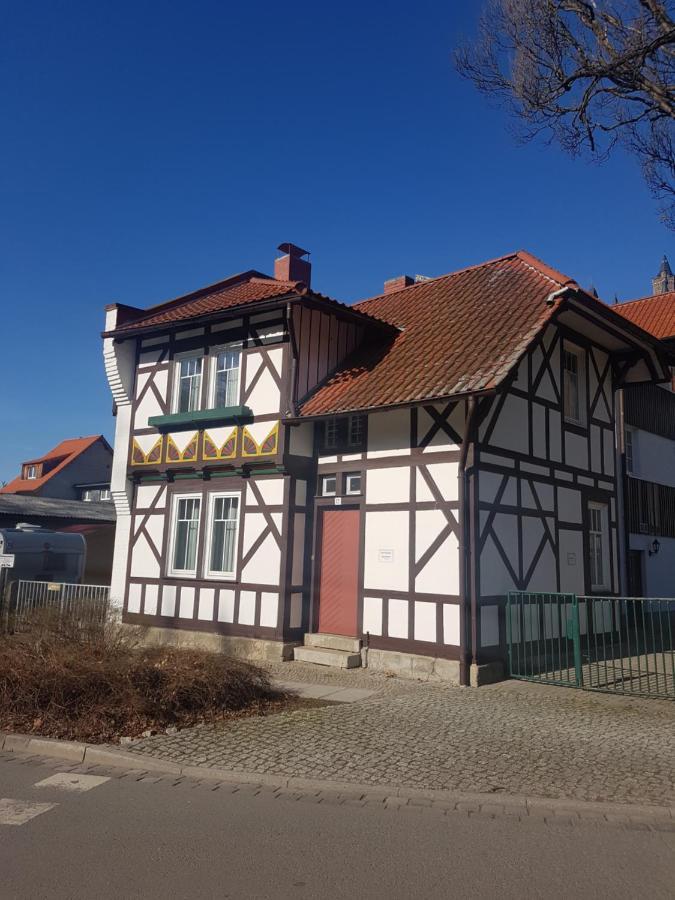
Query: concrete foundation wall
point(240, 647)
point(412, 665)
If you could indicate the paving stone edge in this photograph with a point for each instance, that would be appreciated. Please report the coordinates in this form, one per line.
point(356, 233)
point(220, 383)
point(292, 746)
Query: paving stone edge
point(94, 754)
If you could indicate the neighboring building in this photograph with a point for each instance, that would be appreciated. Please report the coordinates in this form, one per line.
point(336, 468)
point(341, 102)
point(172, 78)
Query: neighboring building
point(649, 454)
point(287, 467)
point(95, 521)
point(76, 469)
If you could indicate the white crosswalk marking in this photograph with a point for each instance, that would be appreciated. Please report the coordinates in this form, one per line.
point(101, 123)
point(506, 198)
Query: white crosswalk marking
point(18, 812)
point(72, 781)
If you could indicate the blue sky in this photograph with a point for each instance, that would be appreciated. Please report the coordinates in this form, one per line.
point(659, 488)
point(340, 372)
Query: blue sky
point(151, 148)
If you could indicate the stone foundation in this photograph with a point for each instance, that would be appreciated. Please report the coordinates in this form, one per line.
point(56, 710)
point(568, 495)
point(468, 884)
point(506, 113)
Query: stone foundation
point(412, 665)
point(255, 649)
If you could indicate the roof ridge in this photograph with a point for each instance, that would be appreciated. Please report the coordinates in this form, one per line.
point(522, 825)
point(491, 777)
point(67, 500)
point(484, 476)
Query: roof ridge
point(428, 281)
point(542, 268)
point(644, 299)
point(222, 284)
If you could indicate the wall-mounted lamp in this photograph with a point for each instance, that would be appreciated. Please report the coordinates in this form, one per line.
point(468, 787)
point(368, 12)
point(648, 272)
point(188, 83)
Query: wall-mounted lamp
point(654, 547)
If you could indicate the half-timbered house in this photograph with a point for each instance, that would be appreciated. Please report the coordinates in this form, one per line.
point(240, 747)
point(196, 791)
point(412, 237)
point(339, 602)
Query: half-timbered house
point(290, 470)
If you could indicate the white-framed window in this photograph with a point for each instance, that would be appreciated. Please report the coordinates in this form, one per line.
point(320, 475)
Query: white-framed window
point(222, 535)
point(352, 483)
point(93, 495)
point(184, 535)
point(573, 384)
point(225, 369)
point(187, 394)
point(598, 546)
point(329, 485)
point(355, 434)
point(31, 472)
point(629, 450)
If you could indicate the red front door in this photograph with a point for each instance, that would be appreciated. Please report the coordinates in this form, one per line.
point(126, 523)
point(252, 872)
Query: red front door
point(339, 579)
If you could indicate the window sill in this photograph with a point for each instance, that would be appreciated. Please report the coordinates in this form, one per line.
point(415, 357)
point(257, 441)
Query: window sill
point(199, 418)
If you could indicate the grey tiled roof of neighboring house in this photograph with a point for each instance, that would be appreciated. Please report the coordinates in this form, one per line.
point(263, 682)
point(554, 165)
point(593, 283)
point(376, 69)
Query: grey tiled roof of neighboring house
point(51, 507)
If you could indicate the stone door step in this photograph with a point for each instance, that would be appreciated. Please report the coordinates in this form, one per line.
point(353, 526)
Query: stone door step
point(323, 656)
point(333, 642)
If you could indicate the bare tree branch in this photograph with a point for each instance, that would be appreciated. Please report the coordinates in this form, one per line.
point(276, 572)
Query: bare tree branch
point(589, 73)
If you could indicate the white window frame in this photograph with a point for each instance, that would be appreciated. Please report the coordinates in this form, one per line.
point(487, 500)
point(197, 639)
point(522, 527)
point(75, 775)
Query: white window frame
point(177, 360)
point(105, 494)
point(603, 534)
point(324, 492)
point(213, 362)
point(580, 356)
point(175, 500)
point(208, 573)
point(348, 490)
point(31, 473)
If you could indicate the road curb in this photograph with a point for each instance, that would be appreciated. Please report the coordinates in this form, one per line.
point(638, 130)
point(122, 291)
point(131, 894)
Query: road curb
point(93, 754)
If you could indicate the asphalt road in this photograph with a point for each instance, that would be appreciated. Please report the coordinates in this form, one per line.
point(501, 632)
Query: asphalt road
point(127, 838)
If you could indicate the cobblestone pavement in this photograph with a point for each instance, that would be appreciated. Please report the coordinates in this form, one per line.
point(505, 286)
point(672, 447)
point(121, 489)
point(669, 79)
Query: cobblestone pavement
point(511, 738)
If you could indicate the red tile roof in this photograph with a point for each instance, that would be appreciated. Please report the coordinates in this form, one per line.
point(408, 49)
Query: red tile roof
point(655, 314)
point(460, 333)
point(63, 454)
point(237, 291)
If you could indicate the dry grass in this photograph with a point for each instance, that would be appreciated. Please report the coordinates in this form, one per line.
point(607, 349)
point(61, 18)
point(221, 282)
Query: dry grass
point(98, 685)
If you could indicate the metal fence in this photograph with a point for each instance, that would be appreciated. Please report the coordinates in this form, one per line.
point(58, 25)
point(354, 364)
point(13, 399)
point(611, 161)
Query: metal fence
point(622, 645)
point(27, 602)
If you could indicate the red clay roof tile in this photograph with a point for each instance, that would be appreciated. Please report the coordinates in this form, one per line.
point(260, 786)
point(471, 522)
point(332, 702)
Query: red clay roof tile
point(655, 314)
point(460, 333)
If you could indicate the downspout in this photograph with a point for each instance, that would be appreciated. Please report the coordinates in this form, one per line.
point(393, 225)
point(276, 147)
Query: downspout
point(468, 561)
point(294, 361)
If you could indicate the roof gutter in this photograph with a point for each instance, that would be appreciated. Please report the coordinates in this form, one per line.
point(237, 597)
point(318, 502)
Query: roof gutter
point(406, 404)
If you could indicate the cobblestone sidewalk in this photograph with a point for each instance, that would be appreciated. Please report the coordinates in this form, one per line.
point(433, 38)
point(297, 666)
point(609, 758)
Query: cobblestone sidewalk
point(511, 738)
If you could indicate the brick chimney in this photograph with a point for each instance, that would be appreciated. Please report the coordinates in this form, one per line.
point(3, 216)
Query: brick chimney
point(291, 266)
point(395, 284)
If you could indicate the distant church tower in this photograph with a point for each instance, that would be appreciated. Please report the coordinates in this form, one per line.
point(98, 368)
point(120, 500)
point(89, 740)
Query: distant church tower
point(665, 280)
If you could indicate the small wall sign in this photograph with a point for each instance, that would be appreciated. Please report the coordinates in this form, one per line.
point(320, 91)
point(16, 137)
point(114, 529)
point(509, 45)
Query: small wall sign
point(6, 560)
point(337, 501)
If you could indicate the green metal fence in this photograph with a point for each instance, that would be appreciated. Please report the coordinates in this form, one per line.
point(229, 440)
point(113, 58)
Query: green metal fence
point(622, 645)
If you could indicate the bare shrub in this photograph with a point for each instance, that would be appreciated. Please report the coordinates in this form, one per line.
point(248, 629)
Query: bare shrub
point(97, 684)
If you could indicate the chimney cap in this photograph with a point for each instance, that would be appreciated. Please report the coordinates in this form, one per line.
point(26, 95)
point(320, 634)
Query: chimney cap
point(292, 249)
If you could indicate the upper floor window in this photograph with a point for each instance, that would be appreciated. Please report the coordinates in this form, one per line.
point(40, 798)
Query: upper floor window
point(225, 366)
point(31, 472)
point(629, 450)
point(188, 387)
point(355, 437)
point(343, 433)
point(573, 372)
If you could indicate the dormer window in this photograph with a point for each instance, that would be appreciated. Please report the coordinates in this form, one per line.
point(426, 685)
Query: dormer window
point(225, 366)
point(188, 385)
point(30, 472)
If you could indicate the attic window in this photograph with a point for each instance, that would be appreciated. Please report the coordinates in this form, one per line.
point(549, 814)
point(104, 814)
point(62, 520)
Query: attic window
point(31, 472)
